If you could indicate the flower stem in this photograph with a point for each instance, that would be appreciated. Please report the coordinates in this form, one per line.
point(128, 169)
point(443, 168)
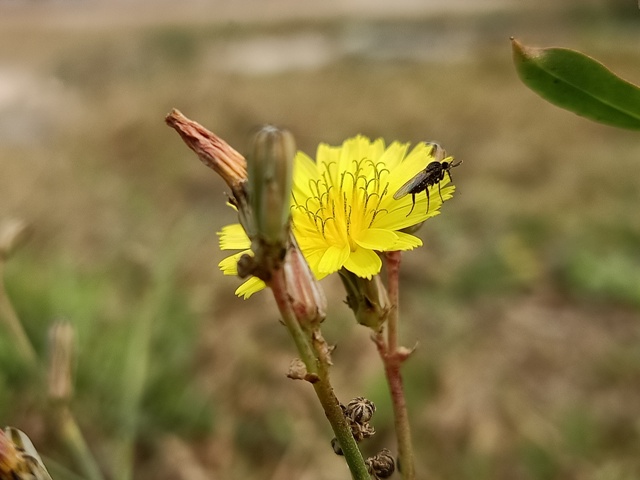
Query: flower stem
point(393, 357)
point(9, 316)
point(71, 435)
point(314, 352)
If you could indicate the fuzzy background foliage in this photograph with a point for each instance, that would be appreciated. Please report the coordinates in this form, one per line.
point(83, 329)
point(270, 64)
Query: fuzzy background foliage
point(524, 299)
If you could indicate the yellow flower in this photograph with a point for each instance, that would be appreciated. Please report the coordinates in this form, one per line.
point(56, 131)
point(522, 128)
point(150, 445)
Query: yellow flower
point(343, 211)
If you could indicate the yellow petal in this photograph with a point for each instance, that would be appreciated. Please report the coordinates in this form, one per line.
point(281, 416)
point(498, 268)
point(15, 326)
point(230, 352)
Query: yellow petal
point(406, 242)
point(233, 237)
point(376, 238)
point(393, 154)
point(250, 287)
point(364, 263)
point(304, 169)
point(229, 265)
point(333, 258)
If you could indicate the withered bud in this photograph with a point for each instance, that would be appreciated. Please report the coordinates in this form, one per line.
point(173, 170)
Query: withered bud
point(297, 370)
point(19, 459)
point(360, 410)
point(270, 168)
point(360, 431)
point(10, 458)
point(214, 152)
point(13, 233)
point(61, 340)
point(218, 155)
point(367, 298)
point(382, 465)
point(307, 298)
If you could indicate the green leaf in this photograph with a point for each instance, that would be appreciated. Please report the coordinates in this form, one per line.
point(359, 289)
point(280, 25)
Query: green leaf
point(578, 83)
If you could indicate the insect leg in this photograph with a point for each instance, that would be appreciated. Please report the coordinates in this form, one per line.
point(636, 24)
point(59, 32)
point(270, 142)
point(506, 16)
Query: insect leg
point(440, 193)
point(426, 190)
point(413, 203)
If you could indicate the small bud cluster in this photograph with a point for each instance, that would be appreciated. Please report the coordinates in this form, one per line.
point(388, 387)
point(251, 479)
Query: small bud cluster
point(360, 410)
point(358, 413)
point(382, 465)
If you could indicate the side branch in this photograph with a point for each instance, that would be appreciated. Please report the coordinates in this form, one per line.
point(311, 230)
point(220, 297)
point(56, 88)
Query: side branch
point(392, 357)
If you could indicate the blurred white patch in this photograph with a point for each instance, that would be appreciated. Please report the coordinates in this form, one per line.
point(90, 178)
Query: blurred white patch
point(30, 106)
point(269, 55)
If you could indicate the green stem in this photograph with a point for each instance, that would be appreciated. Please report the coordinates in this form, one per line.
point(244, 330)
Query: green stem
point(136, 364)
point(14, 326)
point(72, 437)
point(313, 351)
point(393, 358)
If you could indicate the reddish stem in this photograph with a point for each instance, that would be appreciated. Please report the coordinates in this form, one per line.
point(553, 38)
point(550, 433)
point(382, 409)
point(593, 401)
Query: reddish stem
point(393, 357)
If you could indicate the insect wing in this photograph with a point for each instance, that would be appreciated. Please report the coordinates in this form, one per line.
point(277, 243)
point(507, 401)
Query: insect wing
point(411, 184)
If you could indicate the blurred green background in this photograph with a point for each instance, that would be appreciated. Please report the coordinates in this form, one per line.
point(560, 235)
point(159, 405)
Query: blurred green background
point(524, 300)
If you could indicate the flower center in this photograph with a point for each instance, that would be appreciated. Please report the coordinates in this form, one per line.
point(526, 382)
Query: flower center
point(345, 202)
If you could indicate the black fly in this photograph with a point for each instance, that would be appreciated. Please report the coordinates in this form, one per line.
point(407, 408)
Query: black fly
point(433, 174)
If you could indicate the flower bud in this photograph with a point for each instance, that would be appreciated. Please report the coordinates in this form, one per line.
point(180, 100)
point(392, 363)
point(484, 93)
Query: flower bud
point(382, 465)
point(367, 298)
point(270, 168)
point(60, 361)
point(18, 457)
point(360, 410)
point(307, 298)
point(9, 456)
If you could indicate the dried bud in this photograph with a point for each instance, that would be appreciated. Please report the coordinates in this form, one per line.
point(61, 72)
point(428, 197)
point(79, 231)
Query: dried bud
point(270, 168)
point(12, 234)
point(367, 298)
point(10, 458)
point(382, 465)
point(60, 361)
point(218, 155)
point(360, 410)
point(214, 152)
point(360, 431)
point(19, 459)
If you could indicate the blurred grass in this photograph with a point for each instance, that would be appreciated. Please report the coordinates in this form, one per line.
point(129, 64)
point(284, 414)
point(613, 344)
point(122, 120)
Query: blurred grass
point(524, 300)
